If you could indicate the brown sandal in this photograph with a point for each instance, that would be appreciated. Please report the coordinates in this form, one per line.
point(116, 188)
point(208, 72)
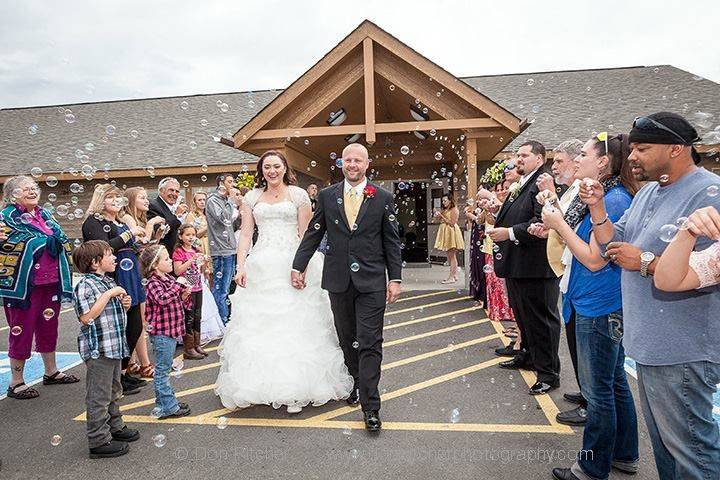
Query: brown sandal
point(147, 371)
point(55, 380)
point(24, 394)
point(133, 368)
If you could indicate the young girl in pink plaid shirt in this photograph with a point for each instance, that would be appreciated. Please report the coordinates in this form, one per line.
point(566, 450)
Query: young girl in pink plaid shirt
point(165, 315)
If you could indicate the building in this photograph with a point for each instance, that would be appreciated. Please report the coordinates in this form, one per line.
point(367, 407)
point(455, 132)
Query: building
point(428, 131)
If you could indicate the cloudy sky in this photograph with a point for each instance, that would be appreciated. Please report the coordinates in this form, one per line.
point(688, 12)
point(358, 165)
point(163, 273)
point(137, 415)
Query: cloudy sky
point(54, 52)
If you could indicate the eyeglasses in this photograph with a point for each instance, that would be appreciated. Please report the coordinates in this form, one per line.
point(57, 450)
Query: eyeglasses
point(647, 123)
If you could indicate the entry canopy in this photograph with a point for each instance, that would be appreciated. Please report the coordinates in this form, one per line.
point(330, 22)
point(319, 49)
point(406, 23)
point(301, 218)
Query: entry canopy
point(374, 89)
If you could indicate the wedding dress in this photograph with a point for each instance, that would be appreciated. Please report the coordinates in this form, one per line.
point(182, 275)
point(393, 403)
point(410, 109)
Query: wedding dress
point(280, 346)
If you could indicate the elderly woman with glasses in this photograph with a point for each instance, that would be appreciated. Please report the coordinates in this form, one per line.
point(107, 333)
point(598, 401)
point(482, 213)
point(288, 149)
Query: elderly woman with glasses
point(35, 279)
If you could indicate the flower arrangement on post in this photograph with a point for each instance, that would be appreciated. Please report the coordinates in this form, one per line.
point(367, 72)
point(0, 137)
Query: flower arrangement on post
point(494, 174)
point(245, 179)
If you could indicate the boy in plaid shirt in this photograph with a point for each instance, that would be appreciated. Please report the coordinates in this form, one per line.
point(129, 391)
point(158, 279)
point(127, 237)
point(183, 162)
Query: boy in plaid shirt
point(165, 314)
point(100, 306)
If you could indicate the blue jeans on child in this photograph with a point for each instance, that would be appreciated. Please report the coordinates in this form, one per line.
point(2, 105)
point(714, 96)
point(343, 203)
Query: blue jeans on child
point(164, 395)
point(677, 402)
point(223, 271)
point(611, 433)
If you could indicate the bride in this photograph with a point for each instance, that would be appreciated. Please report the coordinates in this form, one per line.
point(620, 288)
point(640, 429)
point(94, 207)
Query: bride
point(280, 347)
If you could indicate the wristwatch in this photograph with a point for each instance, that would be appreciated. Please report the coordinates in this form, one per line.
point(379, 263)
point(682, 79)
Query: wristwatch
point(646, 258)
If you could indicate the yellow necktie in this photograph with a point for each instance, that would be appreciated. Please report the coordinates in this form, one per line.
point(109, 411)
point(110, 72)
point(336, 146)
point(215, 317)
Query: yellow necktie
point(352, 206)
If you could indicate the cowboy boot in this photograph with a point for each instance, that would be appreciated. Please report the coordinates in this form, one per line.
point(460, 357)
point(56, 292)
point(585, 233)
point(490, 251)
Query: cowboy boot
point(198, 348)
point(189, 352)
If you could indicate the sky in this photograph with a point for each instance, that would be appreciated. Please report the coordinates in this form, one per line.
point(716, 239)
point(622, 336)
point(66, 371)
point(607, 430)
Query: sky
point(55, 53)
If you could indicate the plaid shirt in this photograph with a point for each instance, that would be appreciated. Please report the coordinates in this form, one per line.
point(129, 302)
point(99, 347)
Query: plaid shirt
point(105, 336)
point(164, 310)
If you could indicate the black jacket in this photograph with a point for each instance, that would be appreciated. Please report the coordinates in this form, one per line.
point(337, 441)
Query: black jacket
point(527, 258)
point(374, 246)
point(158, 208)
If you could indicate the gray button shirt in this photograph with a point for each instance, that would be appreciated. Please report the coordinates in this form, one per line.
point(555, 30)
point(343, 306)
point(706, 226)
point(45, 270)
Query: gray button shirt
point(219, 212)
point(663, 328)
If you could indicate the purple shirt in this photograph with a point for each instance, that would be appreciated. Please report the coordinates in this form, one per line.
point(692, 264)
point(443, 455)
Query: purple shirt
point(46, 267)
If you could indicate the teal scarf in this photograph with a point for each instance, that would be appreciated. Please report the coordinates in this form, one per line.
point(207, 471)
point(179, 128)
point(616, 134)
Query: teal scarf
point(25, 244)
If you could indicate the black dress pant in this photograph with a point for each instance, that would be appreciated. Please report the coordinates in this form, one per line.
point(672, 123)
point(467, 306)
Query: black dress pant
point(359, 324)
point(133, 330)
point(535, 304)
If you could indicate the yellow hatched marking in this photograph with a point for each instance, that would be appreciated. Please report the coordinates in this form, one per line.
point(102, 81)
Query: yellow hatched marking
point(434, 332)
point(425, 295)
point(428, 305)
point(431, 317)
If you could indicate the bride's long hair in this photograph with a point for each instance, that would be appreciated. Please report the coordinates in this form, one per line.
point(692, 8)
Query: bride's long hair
point(289, 177)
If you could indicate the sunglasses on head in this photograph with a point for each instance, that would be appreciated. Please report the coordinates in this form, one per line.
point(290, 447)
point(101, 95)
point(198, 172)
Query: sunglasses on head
point(647, 123)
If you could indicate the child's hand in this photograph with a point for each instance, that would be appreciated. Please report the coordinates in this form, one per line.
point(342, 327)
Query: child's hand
point(126, 301)
point(117, 291)
point(186, 293)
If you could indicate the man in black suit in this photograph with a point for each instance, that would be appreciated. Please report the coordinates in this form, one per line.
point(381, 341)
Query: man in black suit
point(165, 206)
point(363, 244)
point(532, 285)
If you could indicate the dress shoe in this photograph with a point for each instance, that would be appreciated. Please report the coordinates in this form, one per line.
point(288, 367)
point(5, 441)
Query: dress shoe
point(541, 388)
point(575, 417)
point(126, 434)
point(575, 397)
point(563, 474)
point(508, 351)
point(516, 363)
point(372, 421)
point(354, 397)
point(113, 448)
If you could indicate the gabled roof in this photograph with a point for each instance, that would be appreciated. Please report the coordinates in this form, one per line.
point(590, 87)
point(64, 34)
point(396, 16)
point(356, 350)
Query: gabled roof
point(615, 97)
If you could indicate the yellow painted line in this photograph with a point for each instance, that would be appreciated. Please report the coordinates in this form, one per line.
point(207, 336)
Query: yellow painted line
point(216, 413)
point(209, 349)
point(423, 356)
point(434, 332)
point(425, 295)
point(431, 317)
point(546, 403)
point(199, 368)
point(412, 388)
point(151, 401)
point(428, 305)
point(387, 425)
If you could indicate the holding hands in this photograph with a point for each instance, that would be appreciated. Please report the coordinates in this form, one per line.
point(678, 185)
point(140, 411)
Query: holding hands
point(297, 279)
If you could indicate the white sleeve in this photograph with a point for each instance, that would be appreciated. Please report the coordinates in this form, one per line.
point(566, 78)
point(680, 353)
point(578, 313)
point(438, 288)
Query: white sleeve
point(706, 265)
point(252, 197)
point(299, 196)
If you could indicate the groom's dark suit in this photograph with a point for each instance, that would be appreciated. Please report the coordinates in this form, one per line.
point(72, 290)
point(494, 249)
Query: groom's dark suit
point(354, 274)
point(531, 283)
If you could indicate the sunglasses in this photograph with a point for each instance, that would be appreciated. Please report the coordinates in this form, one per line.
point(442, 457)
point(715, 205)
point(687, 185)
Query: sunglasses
point(647, 123)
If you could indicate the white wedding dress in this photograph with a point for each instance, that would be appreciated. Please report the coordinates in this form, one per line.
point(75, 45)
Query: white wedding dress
point(280, 347)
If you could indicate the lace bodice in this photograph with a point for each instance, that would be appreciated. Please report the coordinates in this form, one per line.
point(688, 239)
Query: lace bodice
point(706, 265)
point(277, 222)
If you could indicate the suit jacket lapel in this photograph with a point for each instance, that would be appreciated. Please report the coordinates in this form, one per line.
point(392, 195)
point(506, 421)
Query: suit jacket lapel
point(508, 202)
point(340, 202)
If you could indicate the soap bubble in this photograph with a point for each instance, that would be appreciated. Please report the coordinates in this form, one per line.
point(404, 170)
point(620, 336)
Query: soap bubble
point(33, 129)
point(48, 313)
point(222, 423)
point(55, 440)
point(36, 172)
point(530, 82)
point(438, 156)
point(712, 190)
point(668, 232)
point(355, 344)
point(94, 354)
point(184, 105)
point(69, 118)
point(126, 264)
point(110, 129)
point(159, 440)
point(354, 267)
point(404, 150)
point(487, 268)
point(16, 330)
point(51, 181)
point(455, 415)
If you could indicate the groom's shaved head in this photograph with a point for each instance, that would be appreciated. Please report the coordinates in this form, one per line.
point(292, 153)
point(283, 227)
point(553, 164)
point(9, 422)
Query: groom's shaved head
point(358, 148)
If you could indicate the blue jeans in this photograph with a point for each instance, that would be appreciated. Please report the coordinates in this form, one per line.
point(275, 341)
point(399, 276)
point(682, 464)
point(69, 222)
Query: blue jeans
point(224, 271)
point(677, 402)
point(611, 432)
point(164, 395)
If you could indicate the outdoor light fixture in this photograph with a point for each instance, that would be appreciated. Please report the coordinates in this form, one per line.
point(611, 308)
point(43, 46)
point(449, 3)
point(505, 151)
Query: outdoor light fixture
point(337, 118)
point(420, 135)
point(418, 114)
point(352, 138)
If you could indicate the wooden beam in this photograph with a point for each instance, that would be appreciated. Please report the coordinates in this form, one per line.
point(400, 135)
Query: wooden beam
point(300, 159)
point(458, 124)
point(369, 77)
point(471, 162)
point(300, 85)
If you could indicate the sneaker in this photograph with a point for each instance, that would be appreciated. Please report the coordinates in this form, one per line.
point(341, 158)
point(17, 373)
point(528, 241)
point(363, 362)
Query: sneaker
point(138, 382)
point(126, 434)
point(128, 388)
point(113, 448)
point(183, 411)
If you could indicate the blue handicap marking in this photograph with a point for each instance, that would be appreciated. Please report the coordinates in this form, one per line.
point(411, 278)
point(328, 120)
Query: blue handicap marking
point(34, 369)
point(631, 368)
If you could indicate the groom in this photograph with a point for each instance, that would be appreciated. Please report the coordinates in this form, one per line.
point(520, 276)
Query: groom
point(363, 244)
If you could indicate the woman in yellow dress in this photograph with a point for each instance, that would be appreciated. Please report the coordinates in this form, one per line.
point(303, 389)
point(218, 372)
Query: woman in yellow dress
point(449, 237)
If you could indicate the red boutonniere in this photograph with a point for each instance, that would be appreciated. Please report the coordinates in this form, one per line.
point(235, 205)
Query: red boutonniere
point(369, 191)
